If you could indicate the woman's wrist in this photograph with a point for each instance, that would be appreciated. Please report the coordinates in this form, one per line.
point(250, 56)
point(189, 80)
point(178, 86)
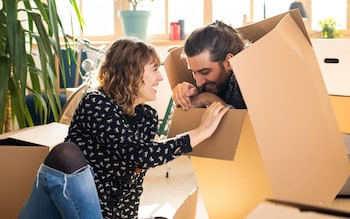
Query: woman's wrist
point(197, 136)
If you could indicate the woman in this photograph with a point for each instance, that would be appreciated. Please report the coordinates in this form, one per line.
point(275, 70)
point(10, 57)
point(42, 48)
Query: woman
point(115, 129)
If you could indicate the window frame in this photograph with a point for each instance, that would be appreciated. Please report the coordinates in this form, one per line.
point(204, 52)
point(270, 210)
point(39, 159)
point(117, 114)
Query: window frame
point(161, 39)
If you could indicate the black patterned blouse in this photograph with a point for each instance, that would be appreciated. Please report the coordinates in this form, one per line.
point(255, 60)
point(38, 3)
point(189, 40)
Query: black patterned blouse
point(120, 149)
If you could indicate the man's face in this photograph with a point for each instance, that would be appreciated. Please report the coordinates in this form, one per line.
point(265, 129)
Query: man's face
point(211, 76)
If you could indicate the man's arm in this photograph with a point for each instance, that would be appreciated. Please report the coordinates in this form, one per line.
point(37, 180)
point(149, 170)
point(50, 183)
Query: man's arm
point(187, 95)
point(204, 99)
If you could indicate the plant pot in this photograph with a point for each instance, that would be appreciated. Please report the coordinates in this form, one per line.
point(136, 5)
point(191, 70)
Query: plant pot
point(135, 23)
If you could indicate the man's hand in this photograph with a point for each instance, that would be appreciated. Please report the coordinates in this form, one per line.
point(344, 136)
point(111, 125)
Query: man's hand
point(182, 94)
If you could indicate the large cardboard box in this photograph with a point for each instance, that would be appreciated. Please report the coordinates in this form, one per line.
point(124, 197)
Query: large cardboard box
point(290, 147)
point(224, 141)
point(21, 154)
point(306, 161)
point(334, 60)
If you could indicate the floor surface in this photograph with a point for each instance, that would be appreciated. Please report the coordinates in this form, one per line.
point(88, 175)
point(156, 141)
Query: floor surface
point(163, 195)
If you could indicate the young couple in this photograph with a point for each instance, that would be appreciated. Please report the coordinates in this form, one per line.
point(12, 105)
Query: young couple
point(112, 131)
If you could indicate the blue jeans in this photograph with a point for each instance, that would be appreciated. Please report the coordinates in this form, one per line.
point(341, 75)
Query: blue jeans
point(59, 195)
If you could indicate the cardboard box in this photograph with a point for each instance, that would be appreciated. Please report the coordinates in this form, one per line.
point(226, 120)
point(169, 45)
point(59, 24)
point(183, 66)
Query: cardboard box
point(334, 59)
point(176, 68)
point(341, 107)
point(290, 147)
point(222, 144)
point(231, 189)
point(21, 154)
point(293, 120)
point(188, 207)
point(291, 210)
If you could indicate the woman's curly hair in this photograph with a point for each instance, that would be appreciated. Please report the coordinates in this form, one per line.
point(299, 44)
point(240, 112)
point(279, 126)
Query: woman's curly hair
point(121, 73)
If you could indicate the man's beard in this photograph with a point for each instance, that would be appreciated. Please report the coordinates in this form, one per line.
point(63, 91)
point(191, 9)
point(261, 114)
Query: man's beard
point(220, 88)
point(210, 87)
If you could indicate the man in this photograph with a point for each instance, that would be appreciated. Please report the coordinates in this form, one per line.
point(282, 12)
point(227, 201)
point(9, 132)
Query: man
point(208, 50)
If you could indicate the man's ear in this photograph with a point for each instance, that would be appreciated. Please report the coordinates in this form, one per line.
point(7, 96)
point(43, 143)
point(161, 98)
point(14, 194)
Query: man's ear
point(227, 63)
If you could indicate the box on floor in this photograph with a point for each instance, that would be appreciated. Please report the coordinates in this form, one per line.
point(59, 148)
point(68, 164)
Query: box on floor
point(21, 153)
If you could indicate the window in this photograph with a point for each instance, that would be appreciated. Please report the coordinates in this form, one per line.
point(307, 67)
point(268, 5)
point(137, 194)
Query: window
point(231, 12)
point(268, 8)
point(99, 17)
point(103, 21)
point(323, 9)
point(158, 14)
point(65, 12)
point(189, 11)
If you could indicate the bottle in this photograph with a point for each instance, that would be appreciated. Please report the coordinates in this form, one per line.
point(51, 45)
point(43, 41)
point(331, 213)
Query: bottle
point(174, 31)
point(182, 29)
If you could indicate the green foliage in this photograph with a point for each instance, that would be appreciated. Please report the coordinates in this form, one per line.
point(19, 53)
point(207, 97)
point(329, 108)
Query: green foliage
point(329, 28)
point(38, 25)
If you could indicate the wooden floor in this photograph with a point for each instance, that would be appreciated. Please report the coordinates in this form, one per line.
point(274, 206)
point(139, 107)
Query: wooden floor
point(166, 187)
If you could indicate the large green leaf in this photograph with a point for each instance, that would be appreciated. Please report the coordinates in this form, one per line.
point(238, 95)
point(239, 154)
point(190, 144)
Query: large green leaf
point(41, 29)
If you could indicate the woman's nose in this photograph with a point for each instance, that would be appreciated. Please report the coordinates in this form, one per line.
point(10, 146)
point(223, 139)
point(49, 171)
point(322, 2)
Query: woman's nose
point(160, 77)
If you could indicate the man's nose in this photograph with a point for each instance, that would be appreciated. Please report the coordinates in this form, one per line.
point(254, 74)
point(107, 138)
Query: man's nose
point(200, 81)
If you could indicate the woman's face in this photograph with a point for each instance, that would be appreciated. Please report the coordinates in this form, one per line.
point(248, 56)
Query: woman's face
point(151, 78)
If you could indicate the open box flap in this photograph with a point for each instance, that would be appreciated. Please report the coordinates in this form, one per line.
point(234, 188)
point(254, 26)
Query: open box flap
point(42, 135)
point(222, 144)
point(291, 114)
point(176, 68)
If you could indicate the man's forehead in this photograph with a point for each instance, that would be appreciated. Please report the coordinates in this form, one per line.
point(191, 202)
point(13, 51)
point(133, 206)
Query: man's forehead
point(200, 61)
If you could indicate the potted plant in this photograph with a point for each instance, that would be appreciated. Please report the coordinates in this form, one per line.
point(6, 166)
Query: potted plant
point(135, 22)
point(329, 28)
point(25, 25)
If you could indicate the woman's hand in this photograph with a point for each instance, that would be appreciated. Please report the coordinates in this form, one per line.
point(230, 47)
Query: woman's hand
point(209, 122)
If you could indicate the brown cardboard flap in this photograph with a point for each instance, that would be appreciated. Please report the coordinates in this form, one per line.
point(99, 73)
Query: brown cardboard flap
point(18, 168)
point(176, 68)
point(341, 107)
point(188, 208)
point(222, 144)
point(21, 153)
point(46, 135)
point(231, 189)
point(256, 31)
point(291, 114)
point(294, 211)
point(308, 208)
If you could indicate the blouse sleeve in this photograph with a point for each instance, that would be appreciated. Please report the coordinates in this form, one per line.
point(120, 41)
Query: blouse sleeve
point(132, 142)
